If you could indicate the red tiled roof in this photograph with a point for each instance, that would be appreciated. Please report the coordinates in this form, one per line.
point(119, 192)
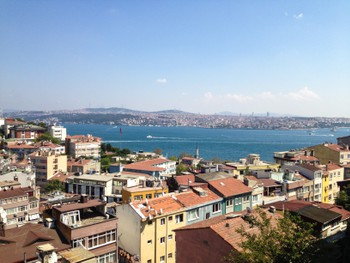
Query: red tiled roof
point(230, 187)
point(168, 204)
point(192, 198)
point(332, 166)
point(304, 158)
point(148, 165)
point(336, 147)
point(292, 205)
point(226, 225)
point(25, 239)
point(20, 146)
point(60, 176)
point(12, 193)
point(185, 179)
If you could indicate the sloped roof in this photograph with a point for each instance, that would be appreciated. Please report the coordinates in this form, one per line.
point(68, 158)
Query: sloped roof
point(156, 206)
point(25, 239)
point(191, 198)
point(148, 165)
point(230, 187)
point(226, 225)
point(214, 176)
point(185, 179)
point(318, 214)
point(12, 192)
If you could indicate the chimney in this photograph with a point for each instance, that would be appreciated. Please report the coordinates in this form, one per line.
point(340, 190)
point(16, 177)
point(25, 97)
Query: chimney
point(83, 198)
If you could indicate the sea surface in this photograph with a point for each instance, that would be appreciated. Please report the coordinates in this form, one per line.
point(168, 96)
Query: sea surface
point(224, 144)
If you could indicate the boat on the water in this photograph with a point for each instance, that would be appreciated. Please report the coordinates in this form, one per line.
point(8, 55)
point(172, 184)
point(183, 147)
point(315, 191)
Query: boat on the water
point(149, 137)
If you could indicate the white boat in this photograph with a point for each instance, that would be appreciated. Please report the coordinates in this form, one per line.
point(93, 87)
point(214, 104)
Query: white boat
point(149, 137)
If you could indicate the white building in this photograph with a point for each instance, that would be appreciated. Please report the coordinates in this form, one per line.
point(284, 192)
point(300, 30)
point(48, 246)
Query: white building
point(58, 132)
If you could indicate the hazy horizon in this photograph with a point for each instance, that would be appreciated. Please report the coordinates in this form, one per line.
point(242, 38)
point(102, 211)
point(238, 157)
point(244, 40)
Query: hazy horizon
point(282, 57)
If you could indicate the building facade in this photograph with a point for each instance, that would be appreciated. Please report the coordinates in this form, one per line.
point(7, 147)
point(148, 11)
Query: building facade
point(47, 164)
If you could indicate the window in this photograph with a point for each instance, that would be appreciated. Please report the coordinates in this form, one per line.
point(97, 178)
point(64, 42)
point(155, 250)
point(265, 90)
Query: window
point(229, 202)
point(33, 205)
point(238, 201)
point(246, 198)
point(170, 218)
point(78, 242)
point(149, 196)
point(170, 255)
point(179, 218)
point(216, 208)
point(162, 258)
point(137, 197)
point(101, 239)
point(106, 258)
point(255, 198)
point(193, 214)
point(149, 261)
point(22, 208)
point(162, 221)
point(11, 210)
point(162, 240)
point(170, 237)
point(149, 242)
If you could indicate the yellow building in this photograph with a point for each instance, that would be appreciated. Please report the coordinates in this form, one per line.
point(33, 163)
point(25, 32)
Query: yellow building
point(145, 228)
point(251, 163)
point(47, 164)
point(325, 187)
point(139, 193)
point(336, 174)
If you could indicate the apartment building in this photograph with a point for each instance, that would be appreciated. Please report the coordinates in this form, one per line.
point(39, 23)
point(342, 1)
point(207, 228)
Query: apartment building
point(87, 224)
point(47, 164)
point(200, 202)
point(333, 174)
point(18, 206)
point(83, 166)
point(80, 145)
point(58, 132)
point(161, 168)
point(147, 190)
point(146, 228)
point(295, 157)
point(334, 153)
point(26, 132)
point(312, 173)
point(93, 185)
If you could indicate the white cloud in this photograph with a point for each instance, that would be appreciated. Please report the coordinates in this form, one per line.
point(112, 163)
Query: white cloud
point(209, 95)
point(304, 94)
point(299, 16)
point(238, 97)
point(267, 95)
point(162, 81)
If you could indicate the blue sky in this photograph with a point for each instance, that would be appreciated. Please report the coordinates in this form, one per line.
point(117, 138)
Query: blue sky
point(290, 57)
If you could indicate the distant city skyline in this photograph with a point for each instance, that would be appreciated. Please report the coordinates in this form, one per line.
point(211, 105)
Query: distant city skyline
point(285, 57)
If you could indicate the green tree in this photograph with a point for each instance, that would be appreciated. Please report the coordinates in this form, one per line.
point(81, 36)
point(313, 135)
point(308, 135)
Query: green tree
point(289, 239)
point(343, 198)
point(181, 168)
point(47, 137)
point(173, 158)
point(54, 185)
